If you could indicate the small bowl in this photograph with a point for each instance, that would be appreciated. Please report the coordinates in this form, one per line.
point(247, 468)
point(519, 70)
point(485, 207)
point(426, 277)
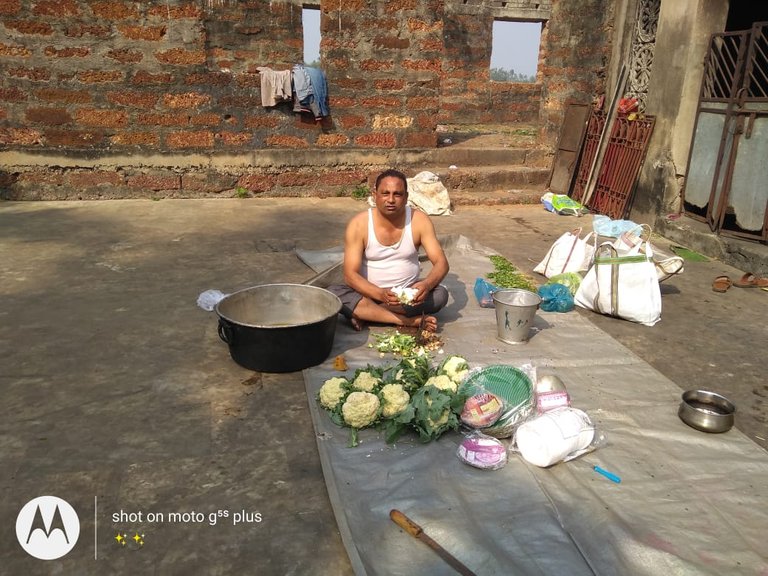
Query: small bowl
point(706, 411)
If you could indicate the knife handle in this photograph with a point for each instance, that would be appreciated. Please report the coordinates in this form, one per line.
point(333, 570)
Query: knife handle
point(405, 523)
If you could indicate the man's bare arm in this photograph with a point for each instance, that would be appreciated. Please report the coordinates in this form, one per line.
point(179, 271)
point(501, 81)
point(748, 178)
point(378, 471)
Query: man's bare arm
point(425, 232)
point(354, 248)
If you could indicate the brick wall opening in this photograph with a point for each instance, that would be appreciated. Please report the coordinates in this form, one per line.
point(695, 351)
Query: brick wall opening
point(310, 20)
point(515, 50)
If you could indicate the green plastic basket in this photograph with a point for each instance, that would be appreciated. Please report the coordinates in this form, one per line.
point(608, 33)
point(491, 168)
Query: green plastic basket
point(510, 384)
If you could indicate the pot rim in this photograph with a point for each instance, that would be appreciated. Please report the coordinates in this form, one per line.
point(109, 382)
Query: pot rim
point(273, 327)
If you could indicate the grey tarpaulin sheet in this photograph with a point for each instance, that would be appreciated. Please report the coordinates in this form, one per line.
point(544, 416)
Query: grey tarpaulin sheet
point(688, 503)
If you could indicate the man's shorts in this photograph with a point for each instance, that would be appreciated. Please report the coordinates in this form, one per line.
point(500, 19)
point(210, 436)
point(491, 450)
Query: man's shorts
point(436, 300)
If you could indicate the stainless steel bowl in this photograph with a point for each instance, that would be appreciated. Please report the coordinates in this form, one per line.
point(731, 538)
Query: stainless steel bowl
point(706, 411)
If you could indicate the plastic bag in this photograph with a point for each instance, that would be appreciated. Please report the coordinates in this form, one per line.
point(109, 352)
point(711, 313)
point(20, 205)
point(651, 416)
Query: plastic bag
point(518, 404)
point(566, 205)
point(482, 451)
point(556, 298)
point(546, 200)
point(208, 299)
point(571, 280)
point(604, 226)
point(484, 293)
point(481, 410)
point(556, 436)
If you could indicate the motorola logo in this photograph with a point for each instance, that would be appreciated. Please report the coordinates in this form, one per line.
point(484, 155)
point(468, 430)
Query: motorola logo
point(47, 527)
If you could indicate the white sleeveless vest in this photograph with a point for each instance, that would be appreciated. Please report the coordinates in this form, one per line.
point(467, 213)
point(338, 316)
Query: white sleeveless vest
point(389, 266)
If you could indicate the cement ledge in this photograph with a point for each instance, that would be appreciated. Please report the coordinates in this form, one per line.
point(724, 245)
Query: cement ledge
point(746, 255)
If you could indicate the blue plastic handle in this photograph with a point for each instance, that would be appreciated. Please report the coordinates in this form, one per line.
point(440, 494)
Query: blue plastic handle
point(612, 477)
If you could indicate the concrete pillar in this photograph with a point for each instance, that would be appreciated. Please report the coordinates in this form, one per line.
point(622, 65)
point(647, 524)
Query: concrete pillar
point(682, 37)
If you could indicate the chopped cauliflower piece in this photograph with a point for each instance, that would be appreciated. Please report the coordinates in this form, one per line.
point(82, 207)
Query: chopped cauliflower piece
point(405, 295)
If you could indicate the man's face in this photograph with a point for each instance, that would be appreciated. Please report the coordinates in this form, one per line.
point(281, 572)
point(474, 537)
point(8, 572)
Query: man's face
point(390, 196)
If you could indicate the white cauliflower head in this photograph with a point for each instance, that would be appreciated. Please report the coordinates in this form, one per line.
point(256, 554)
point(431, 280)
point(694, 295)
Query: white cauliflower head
point(332, 391)
point(360, 409)
point(456, 368)
point(442, 382)
point(366, 382)
point(394, 399)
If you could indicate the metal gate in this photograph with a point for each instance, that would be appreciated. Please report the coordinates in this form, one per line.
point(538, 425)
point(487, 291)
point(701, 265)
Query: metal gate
point(618, 170)
point(727, 174)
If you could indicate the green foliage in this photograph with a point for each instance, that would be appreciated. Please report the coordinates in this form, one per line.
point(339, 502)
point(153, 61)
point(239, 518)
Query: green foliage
point(506, 275)
point(361, 192)
point(241, 192)
point(504, 75)
point(413, 372)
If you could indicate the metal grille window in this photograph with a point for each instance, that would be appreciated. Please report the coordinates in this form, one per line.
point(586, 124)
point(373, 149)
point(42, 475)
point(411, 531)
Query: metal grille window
point(727, 172)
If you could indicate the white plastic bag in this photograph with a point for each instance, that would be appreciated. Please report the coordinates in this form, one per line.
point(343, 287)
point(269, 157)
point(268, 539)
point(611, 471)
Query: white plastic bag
point(207, 300)
point(569, 253)
point(624, 286)
point(556, 436)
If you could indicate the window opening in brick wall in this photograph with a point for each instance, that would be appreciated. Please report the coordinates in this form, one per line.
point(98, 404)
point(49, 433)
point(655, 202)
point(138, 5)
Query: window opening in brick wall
point(515, 51)
point(310, 18)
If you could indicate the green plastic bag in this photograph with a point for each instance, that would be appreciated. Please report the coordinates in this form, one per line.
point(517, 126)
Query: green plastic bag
point(566, 205)
point(571, 280)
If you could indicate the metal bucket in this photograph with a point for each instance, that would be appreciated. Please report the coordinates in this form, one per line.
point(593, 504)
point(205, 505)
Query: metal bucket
point(279, 327)
point(515, 311)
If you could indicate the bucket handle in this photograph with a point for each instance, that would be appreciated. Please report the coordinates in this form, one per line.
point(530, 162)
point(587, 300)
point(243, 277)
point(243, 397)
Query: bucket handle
point(225, 332)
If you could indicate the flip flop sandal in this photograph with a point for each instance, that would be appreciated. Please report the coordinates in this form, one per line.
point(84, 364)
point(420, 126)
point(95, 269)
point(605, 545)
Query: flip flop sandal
point(721, 284)
point(749, 280)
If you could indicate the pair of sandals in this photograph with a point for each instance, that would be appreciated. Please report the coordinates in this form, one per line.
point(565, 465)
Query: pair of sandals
point(749, 280)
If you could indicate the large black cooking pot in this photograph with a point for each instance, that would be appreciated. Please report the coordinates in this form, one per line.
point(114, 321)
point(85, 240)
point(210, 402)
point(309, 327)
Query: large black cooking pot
point(279, 327)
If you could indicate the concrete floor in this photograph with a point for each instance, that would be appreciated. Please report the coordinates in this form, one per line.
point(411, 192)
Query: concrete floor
point(118, 396)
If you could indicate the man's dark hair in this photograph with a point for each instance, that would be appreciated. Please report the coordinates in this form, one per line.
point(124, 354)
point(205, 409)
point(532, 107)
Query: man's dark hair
point(392, 173)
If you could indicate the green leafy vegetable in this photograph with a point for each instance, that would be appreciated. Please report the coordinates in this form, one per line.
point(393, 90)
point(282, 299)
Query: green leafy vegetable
point(505, 275)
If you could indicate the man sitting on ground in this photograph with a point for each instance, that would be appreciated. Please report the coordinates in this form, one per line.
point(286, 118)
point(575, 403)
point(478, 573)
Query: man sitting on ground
point(381, 252)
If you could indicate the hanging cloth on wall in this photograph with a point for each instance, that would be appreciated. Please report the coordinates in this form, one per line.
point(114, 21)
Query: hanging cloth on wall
point(301, 83)
point(275, 86)
point(311, 91)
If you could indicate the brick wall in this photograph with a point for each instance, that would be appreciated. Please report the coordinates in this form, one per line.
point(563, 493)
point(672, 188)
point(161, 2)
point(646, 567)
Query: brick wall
point(129, 98)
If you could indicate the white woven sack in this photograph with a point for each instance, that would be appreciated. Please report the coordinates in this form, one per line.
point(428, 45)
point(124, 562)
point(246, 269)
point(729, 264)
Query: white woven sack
point(624, 286)
point(569, 253)
point(631, 242)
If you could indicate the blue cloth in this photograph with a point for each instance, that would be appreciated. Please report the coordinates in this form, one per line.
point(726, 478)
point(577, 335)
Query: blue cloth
point(319, 89)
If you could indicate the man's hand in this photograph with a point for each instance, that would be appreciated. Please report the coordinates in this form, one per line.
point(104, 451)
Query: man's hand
point(423, 288)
